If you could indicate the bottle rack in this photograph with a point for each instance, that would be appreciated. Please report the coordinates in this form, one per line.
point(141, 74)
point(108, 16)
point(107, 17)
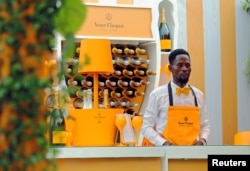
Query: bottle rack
point(125, 79)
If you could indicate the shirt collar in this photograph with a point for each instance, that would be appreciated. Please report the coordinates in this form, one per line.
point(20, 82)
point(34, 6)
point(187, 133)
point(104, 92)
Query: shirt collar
point(174, 86)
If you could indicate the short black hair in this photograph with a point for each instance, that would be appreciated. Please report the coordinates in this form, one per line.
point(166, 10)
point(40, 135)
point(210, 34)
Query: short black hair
point(174, 53)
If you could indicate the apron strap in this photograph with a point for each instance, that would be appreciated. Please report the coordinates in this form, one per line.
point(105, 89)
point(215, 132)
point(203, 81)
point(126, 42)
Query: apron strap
point(170, 93)
point(195, 99)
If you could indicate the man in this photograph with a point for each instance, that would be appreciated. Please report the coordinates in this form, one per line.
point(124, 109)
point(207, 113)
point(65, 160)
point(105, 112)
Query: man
point(176, 116)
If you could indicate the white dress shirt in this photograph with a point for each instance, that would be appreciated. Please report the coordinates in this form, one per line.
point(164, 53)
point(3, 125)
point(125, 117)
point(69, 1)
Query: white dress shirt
point(155, 116)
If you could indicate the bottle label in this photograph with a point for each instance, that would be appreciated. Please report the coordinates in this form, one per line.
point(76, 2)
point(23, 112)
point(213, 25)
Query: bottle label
point(58, 137)
point(165, 44)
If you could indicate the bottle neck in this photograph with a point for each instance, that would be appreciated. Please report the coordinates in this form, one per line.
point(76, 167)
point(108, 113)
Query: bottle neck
point(163, 18)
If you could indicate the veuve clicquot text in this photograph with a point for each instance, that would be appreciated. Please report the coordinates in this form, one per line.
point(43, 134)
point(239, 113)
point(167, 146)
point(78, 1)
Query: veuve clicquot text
point(165, 39)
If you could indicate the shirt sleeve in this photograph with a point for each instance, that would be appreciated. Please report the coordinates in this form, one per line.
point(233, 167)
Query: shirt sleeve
point(204, 121)
point(150, 118)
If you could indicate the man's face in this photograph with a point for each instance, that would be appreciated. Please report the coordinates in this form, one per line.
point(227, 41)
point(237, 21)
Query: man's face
point(181, 69)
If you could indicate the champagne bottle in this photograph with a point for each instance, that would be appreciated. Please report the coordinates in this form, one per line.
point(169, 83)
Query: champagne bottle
point(115, 59)
point(165, 39)
point(57, 127)
point(113, 103)
point(118, 92)
point(115, 49)
point(141, 81)
point(137, 61)
point(126, 72)
point(132, 92)
point(121, 71)
point(134, 84)
point(130, 70)
point(102, 81)
point(100, 103)
point(125, 49)
point(105, 98)
point(78, 78)
point(137, 50)
point(115, 94)
point(70, 81)
point(111, 82)
point(126, 103)
point(100, 93)
point(123, 61)
point(123, 82)
point(87, 99)
point(118, 70)
point(78, 103)
point(88, 81)
point(142, 71)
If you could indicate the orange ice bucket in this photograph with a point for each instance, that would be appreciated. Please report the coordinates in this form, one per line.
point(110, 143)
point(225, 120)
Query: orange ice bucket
point(94, 127)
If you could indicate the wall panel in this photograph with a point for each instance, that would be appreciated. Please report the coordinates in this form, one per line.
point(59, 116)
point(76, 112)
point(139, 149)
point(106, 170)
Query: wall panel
point(228, 70)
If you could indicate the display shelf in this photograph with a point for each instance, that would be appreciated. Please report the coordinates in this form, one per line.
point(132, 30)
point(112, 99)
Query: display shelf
point(171, 8)
point(103, 15)
point(151, 44)
point(117, 57)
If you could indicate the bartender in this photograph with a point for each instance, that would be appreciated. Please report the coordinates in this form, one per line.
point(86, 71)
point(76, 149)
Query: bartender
point(176, 112)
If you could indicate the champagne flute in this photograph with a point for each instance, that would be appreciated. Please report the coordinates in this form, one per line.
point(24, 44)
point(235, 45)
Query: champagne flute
point(137, 123)
point(120, 122)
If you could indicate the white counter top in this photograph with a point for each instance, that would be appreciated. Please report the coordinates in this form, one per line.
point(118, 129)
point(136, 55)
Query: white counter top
point(108, 152)
point(171, 152)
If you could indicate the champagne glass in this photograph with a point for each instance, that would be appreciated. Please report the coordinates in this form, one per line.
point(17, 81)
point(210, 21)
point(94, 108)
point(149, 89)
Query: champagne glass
point(137, 123)
point(120, 122)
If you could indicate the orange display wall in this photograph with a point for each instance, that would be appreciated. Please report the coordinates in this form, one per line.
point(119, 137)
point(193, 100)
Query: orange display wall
point(113, 22)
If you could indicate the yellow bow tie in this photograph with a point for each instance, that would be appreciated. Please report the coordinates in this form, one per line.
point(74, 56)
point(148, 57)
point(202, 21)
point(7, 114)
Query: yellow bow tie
point(184, 91)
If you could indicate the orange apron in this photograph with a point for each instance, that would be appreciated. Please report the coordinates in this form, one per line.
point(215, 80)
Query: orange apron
point(183, 126)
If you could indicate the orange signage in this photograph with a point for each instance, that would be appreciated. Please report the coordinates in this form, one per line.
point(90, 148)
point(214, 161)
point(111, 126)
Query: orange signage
point(117, 22)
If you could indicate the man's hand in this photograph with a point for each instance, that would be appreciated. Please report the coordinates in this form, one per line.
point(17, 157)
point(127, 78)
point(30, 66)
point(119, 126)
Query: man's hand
point(166, 143)
point(202, 141)
point(198, 143)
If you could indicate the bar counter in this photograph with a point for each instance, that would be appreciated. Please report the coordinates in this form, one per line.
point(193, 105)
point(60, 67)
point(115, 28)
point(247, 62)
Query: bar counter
point(168, 158)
